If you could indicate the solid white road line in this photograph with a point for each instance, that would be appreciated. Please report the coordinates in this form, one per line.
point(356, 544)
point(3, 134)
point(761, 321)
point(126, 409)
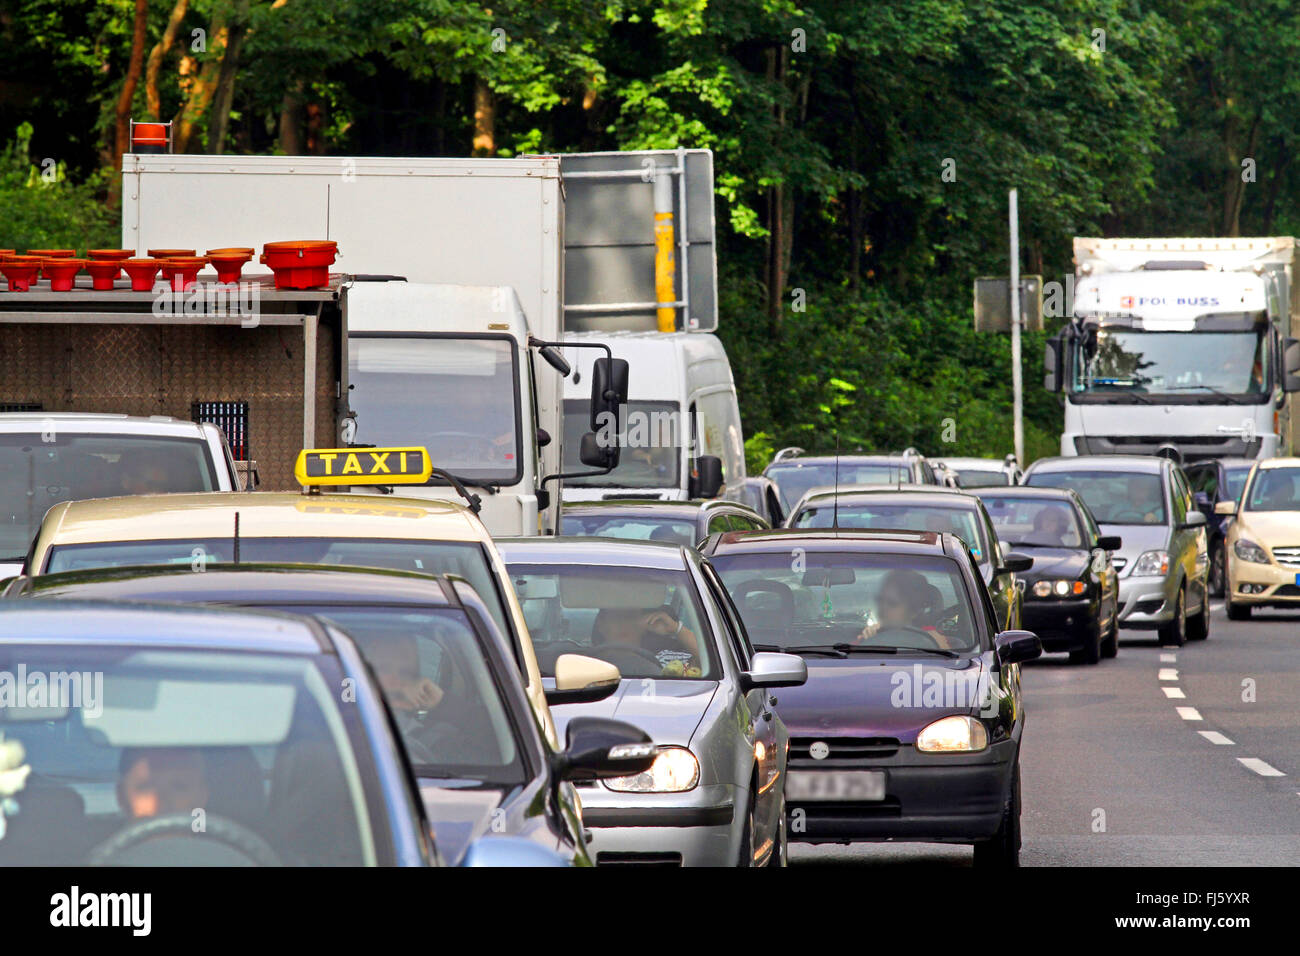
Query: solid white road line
point(1188, 713)
point(1214, 737)
point(1260, 767)
point(1174, 693)
point(1168, 658)
point(1167, 673)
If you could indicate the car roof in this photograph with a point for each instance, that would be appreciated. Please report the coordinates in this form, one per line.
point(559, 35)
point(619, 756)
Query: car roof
point(977, 464)
point(578, 549)
point(1149, 464)
point(99, 423)
point(647, 506)
point(939, 495)
point(156, 625)
point(885, 458)
point(1023, 491)
point(261, 514)
point(1229, 462)
point(1280, 463)
point(832, 539)
point(247, 584)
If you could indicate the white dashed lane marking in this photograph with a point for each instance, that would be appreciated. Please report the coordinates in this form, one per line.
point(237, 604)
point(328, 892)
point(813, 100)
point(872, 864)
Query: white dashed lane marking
point(1188, 713)
point(1214, 737)
point(1168, 673)
point(1168, 658)
point(1260, 767)
point(1174, 693)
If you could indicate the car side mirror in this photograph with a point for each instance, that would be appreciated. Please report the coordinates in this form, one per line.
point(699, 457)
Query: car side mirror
point(596, 748)
point(1109, 542)
point(706, 477)
point(1014, 647)
point(1291, 365)
point(1016, 563)
point(1194, 519)
point(1226, 508)
point(582, 680)
point(769, 669)
point(497, 851)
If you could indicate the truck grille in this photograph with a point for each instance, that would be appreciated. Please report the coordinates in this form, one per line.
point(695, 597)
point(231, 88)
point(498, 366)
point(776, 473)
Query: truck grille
point(1288, 557)
point(843, 751)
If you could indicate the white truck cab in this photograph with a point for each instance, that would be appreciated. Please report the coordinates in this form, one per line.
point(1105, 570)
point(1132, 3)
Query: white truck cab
point(48, 457)
point(681, 408)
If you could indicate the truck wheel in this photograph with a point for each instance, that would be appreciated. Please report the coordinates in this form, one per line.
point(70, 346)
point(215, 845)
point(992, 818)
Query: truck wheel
point(1003, 851)
point(1175, 632)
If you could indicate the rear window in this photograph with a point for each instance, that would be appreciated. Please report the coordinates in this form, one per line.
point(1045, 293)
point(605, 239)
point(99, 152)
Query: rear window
point(1113, 497)
point(630, 527)
point(38, 470)
point(918, 517)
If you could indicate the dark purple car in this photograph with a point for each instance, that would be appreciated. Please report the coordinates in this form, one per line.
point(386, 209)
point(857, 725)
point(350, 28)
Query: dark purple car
point(909, 725)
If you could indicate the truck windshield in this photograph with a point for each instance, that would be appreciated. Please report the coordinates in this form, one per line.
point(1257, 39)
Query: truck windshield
point(651, 434)
point(458, 397)
point(38, 470)
point(1111, 361)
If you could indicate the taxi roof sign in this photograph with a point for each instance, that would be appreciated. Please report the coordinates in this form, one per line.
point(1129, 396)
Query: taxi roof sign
point(363, 466)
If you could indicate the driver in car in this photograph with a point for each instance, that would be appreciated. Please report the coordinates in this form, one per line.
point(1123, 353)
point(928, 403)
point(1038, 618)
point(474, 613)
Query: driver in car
point(396, 662)
point(652, 630)
point(156, 781)
point(904, 597)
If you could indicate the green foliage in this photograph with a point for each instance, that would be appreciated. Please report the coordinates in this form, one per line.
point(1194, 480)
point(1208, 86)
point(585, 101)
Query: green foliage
point(43, 210)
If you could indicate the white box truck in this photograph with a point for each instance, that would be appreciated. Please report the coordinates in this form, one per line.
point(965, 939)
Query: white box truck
point(1179, 345)
point(446, 358)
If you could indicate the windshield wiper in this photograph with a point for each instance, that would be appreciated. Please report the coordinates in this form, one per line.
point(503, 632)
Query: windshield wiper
point(1230, 399)
point(842, 649)
point(941, 651)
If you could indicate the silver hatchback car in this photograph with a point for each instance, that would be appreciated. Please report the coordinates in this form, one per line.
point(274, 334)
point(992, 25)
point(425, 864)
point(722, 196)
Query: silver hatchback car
point(1164, 561)
point(715, 795)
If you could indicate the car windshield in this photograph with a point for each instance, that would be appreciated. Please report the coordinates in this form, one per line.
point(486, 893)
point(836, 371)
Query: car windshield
point(1236, 480)
point(629, 527)
point(1035, 522)
point(793, 481)
point(251, 757)
point(439, 684)
point(1113, 497)
point(1201, 362)
point(456, 397)
point(971, 478)
point(853, 598)
point(645, 621)
point(38, 470)
point(963, 522)
point(465, 558)
point(650, 434)
point(1275, 489)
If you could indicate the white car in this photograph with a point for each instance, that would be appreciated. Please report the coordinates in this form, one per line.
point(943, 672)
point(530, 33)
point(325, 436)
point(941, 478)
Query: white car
point(48, 457)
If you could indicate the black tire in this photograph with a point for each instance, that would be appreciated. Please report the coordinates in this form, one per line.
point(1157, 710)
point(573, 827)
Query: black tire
point(745, 859)
point(781, 852)
point(1003, 850)
point(1218, 571)
point(1174, 634)
point(1090, 653)
point(1110, 646)
point(1236, 612)
point(1198, 627)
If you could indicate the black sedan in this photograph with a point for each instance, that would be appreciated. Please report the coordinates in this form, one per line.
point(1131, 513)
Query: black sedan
point(447, 674)
point(910, 723)
point(1071, 596)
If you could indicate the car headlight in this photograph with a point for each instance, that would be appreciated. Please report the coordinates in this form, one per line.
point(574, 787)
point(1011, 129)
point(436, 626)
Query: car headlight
point(1248, 550)
point(956, 734)
point(1060, 588)
point(1151, 562)
point(675, 770)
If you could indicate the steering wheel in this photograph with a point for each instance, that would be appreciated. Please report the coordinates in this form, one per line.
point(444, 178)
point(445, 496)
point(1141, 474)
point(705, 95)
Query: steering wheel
point(420, 737)
point(217, 829)
point(784, 614)
point(929, 638)
point(1127, 517)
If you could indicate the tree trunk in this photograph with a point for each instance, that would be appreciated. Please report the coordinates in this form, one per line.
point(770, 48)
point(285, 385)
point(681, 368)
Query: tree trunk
point(1234, 191)
point(485, 120)
point(132, 80)
point(202, 89)
point(291, 120)
point(224, 96)
point(776, 205)
point(152, 98)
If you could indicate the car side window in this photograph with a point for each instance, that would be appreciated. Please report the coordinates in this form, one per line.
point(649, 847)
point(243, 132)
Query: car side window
point(736, 634)
point(985, 601)
point(719, 522)
point(1181, 499)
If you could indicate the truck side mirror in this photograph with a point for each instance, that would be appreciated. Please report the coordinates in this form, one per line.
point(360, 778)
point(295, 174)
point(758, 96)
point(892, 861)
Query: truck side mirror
point(706, 477)
point(596, 450)
point(1291, 365)
point(1052, 365)
point(608, 392)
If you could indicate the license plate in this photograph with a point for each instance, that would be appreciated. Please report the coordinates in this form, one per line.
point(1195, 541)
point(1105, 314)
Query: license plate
point(835, 785)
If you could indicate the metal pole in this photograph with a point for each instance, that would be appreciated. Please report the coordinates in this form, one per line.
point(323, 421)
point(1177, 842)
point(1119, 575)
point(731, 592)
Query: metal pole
point(1017, 388)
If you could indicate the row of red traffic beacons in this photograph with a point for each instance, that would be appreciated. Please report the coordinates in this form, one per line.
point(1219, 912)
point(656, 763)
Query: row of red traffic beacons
point(301, 264)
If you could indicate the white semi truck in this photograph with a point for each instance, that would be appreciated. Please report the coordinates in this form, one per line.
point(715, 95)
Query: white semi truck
point(445, 358)
point(1179, 345)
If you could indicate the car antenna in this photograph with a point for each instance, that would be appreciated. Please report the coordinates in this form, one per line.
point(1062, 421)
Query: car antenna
point(835, 501)
point(235, 556)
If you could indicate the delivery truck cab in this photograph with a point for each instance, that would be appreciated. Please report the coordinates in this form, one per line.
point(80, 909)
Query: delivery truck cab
point(680, 432)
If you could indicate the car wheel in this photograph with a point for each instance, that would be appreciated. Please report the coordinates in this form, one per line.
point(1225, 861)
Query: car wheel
point(1110, 646)
point(1003, 851)
point(781, 852)
point(746, 855)
point(1236, 612)
point(1218, 571)
point(1090, 653)
point(1198, 627)
point(1175, 632)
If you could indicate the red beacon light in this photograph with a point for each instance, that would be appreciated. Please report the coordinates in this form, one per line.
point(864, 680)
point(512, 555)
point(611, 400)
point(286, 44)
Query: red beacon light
point(151, 137)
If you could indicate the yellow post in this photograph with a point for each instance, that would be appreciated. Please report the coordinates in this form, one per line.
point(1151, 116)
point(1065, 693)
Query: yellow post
point(665, 251)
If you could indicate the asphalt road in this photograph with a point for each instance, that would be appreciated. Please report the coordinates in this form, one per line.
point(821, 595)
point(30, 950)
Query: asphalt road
point(1160, 757)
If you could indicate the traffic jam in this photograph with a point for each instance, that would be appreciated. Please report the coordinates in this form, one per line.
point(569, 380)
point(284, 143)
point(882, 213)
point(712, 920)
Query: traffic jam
point(339, 552)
